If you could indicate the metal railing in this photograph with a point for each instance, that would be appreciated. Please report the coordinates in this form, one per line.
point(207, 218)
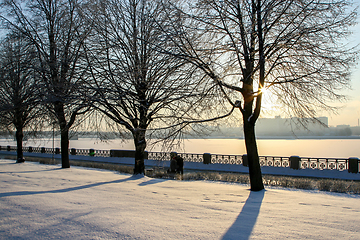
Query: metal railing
point(306, 162)
point(340, 164)
point(325, 163)
point(274, 161)
point(226, 159)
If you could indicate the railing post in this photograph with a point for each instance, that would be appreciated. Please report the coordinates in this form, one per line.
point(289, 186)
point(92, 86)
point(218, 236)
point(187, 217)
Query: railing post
point(112, 153)
point(42, 150)
point(91, 152)
point(57, 150)
point(30, 149)
point(8, 148)
point(353, 165)
point(295, 162)
point(245, 160)
point(207, 158)
point(73, 151)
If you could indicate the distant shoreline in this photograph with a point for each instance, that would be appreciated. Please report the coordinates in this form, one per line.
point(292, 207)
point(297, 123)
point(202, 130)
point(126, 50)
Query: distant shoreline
point(283, 137)
point(225, 137)
point(309, 137)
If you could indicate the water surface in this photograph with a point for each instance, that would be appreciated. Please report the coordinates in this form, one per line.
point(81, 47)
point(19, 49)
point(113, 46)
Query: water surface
point(329, 148)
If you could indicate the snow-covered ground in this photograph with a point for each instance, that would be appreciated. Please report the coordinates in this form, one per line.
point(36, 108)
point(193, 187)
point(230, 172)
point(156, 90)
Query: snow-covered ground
point(48, 202)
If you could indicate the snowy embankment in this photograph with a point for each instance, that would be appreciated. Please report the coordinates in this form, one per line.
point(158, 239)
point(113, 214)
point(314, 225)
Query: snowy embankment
point(47, 202)
point(193, 166)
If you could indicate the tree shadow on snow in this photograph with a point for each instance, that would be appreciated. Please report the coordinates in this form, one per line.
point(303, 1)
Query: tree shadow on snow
point(151, 181)
point(245, 222)
point(45, 170)
point(64, 190)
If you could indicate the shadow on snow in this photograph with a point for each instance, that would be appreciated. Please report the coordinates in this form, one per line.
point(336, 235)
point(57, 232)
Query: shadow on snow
point(21, 193)
point(245, 222)
point(45, 170)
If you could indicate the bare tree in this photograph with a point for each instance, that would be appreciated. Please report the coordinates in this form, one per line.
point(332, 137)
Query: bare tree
point(294, 48)
point(19, 89)
point(57, 31)
point(139, 88)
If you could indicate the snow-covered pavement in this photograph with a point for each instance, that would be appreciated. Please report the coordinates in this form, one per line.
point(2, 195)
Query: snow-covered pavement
point(47, 202)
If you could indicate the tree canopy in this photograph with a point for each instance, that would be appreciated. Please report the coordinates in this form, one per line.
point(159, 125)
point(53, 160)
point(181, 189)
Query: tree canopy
point(293, 48)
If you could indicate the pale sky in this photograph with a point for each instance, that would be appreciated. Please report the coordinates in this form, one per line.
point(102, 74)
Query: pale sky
point(350, 113)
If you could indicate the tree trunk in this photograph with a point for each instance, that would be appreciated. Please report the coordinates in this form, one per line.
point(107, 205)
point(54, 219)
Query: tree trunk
point(65, 162)
point(19, 142)
point(256, 181)
point(140, 145)
point(64, 133)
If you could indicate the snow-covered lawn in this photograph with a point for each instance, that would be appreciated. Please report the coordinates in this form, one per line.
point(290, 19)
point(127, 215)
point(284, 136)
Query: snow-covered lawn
point(47, 202)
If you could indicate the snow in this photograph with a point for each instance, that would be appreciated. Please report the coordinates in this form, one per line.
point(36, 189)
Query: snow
point(47, 202)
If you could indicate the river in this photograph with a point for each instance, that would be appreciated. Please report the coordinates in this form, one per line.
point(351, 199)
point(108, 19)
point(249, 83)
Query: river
point(322, 148)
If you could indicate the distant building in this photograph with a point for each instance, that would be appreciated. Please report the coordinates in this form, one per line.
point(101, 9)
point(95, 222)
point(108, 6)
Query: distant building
point(283, 127)
point(341, 130)
point(291, 126)
point(355, 130)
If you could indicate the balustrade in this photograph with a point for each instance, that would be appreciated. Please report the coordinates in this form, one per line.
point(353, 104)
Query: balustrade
point(294, 162)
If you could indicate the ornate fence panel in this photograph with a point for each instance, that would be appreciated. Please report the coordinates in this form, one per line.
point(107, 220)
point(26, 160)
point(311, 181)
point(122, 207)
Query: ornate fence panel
point(36, 149)
point(191, 157)
point(83, 152)
point(324, 163)
point(102, 153)
point(165, 156)
point(226, 159)
point(49, 150)
point(274, 161)
point(159, 156)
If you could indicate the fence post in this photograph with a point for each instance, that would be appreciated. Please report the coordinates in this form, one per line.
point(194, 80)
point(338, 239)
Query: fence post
point(73, 151)
point(245, 160)
point(91, 152)
point(353, 165)
point(294, 162)
point(207, 158)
